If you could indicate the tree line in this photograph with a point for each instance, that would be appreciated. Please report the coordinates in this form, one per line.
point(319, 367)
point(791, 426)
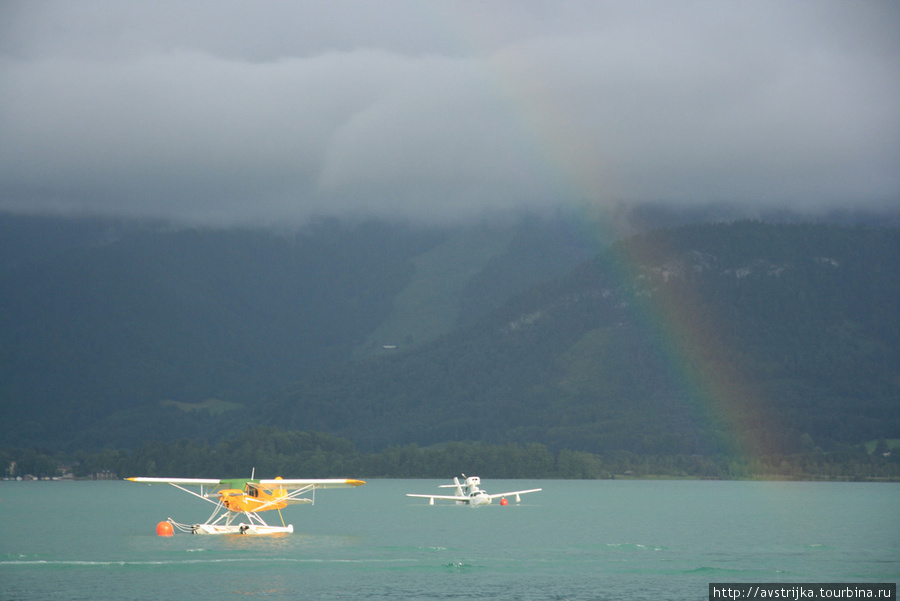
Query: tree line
point(273, 452)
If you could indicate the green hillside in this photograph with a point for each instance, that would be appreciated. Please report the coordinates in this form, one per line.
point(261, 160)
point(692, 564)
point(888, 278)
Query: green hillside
point(738, 339)
point(101, 320)
point(735, 338)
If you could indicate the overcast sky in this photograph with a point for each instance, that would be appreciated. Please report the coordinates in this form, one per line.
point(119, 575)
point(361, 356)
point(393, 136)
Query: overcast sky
point(227, 112)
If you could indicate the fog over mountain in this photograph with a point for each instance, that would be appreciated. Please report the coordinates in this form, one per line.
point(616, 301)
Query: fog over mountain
point(233, 113)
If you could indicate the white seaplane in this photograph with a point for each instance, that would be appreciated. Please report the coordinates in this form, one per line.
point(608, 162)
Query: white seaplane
point(237, 500)
point(470, 493)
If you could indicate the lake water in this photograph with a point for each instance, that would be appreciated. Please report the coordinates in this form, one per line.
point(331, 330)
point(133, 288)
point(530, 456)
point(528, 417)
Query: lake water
point(576, 540)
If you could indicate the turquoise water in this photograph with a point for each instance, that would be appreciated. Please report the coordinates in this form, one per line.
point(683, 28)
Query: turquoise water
point(576, 540)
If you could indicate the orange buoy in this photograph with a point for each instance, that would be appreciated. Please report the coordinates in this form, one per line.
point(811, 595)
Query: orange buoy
point(504, 502)
point(164, 529)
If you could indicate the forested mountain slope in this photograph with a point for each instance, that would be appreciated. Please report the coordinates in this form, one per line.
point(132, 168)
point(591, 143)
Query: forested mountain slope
point(113, 332)
point(736, 337)
point(727, 338)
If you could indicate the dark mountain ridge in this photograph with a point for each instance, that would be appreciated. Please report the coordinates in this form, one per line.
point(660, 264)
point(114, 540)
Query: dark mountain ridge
point(716, 338)
point(101, 321)
point(704, 339)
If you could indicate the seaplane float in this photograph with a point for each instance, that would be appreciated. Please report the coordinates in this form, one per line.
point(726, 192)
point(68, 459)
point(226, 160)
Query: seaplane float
point(238, 502)
point(470, 493)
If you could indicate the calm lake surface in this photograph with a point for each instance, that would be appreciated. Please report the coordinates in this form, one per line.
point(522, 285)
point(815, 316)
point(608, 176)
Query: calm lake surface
point(578, 540)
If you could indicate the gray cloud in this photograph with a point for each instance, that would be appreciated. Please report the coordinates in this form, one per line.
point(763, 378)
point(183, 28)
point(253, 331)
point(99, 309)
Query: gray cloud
point(229, 112)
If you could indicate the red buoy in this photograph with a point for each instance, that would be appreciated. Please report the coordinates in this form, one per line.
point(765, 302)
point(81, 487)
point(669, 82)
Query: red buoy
point(164, 529)
point(504, 502)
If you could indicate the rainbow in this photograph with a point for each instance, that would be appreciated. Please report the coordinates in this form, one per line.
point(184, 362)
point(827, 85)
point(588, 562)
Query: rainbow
point(696, 356)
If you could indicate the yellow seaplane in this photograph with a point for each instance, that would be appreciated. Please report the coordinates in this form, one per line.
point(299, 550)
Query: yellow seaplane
point(238, 502)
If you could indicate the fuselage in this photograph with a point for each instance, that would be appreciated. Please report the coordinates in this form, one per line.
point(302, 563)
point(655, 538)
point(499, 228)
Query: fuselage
point(479, 497)
point(252, 498)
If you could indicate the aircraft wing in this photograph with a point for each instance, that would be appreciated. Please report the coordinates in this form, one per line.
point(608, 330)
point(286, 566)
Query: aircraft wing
point(441, 497)
point(515, 492)
point(285, 483)
point(181, 481)
point(308, 484)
